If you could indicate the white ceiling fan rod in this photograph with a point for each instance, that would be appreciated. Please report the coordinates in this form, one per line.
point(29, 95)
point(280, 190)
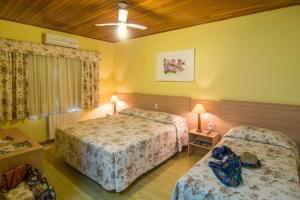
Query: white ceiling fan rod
point(122, 15)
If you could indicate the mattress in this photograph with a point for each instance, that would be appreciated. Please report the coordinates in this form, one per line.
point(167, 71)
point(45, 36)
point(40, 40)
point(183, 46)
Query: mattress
point(277, 178)
point(115, 150)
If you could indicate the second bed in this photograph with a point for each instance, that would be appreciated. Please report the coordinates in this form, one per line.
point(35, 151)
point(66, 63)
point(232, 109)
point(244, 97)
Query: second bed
point(276, 179)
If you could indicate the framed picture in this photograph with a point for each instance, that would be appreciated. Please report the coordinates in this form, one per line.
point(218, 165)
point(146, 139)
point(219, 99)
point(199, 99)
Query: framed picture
point(176, 65)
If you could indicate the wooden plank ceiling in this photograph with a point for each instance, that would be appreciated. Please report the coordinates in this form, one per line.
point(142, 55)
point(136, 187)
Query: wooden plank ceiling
point(79, 16)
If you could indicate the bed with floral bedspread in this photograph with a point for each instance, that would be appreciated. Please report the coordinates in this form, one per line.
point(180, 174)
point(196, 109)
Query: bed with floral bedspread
point(276, 179)
point(115, 150)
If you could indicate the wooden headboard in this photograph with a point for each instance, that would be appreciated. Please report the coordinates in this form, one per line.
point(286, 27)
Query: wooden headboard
point(171, 104)
point(224, 114)
point(227, 114)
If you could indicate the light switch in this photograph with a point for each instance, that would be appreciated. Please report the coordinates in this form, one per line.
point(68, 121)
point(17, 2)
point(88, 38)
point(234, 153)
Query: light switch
point(210, 126)
point(156, 106)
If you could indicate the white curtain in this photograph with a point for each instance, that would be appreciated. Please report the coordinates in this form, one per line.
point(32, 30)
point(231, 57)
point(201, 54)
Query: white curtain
point(53, 84)
point(69, 71)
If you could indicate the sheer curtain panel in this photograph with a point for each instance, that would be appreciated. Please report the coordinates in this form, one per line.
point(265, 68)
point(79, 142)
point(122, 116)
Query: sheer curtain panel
point(54, 84)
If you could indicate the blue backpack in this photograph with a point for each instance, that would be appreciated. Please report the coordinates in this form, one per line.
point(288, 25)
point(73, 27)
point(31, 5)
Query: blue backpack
point(228, 171)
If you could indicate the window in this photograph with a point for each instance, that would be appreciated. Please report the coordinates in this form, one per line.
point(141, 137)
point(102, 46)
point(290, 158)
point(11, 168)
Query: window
point(54, 84)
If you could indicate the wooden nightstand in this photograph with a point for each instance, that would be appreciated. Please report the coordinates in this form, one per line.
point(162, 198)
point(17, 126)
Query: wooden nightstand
point(202, 140)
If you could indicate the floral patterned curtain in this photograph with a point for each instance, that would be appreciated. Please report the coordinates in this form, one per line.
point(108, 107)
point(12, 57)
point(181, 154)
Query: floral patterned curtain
point(89, 84)
point(13, 85)
point(14, 75)
point(47, 50)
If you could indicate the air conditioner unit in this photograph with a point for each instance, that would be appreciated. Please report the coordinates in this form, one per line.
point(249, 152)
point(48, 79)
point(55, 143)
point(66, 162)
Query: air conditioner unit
point(60, 40)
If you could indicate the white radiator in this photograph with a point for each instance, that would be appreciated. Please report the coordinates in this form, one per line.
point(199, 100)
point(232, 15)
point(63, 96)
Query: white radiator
point(57, 120)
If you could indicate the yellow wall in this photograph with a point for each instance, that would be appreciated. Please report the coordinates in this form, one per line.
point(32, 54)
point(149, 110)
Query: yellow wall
point(253, 58)
point(37, 128)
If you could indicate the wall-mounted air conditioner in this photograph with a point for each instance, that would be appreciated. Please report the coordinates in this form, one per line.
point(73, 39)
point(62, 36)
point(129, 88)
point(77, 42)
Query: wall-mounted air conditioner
point(58, 40)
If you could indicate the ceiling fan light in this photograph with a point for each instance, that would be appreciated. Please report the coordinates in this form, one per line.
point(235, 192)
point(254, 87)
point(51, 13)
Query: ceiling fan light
point(122, 15)
point(122, 31)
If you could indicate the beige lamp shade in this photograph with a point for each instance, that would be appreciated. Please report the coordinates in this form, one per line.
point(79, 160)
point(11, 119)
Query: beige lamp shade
point(114, 98)
point(199, 109)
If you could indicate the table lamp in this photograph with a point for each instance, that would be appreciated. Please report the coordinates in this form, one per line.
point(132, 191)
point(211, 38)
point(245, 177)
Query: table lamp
point(114, 99)
point(199, 109)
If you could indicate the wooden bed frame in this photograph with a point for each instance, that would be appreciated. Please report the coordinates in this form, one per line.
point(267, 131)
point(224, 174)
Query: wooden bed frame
point(170, 104)
point(224, 114)
point(227, 114)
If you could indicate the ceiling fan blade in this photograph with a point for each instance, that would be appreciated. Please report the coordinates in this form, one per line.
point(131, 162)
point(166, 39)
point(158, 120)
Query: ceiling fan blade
point(136, 26)
point(108, 24)
point(122, 15)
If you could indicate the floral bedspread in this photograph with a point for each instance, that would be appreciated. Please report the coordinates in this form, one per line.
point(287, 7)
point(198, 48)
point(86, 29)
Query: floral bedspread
point(114, 151)
point(276, 179)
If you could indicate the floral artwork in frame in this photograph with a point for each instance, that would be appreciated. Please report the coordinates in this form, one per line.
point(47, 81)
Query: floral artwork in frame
point(175, 65)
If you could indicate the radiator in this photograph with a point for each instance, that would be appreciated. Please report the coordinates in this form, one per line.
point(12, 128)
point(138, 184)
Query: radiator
point(57, 120)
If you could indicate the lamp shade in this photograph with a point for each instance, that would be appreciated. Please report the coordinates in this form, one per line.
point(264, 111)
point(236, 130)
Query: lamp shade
point(199, 109)
point(114, 98)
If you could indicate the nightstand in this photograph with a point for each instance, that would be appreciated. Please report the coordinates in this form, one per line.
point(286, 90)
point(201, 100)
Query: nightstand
point(202, 141)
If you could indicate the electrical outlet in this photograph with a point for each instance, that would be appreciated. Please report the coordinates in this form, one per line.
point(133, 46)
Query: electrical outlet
point(210, 126)
point(156, 106)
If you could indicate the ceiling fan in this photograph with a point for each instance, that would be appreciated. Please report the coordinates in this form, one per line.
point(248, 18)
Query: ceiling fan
point(122, 24)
